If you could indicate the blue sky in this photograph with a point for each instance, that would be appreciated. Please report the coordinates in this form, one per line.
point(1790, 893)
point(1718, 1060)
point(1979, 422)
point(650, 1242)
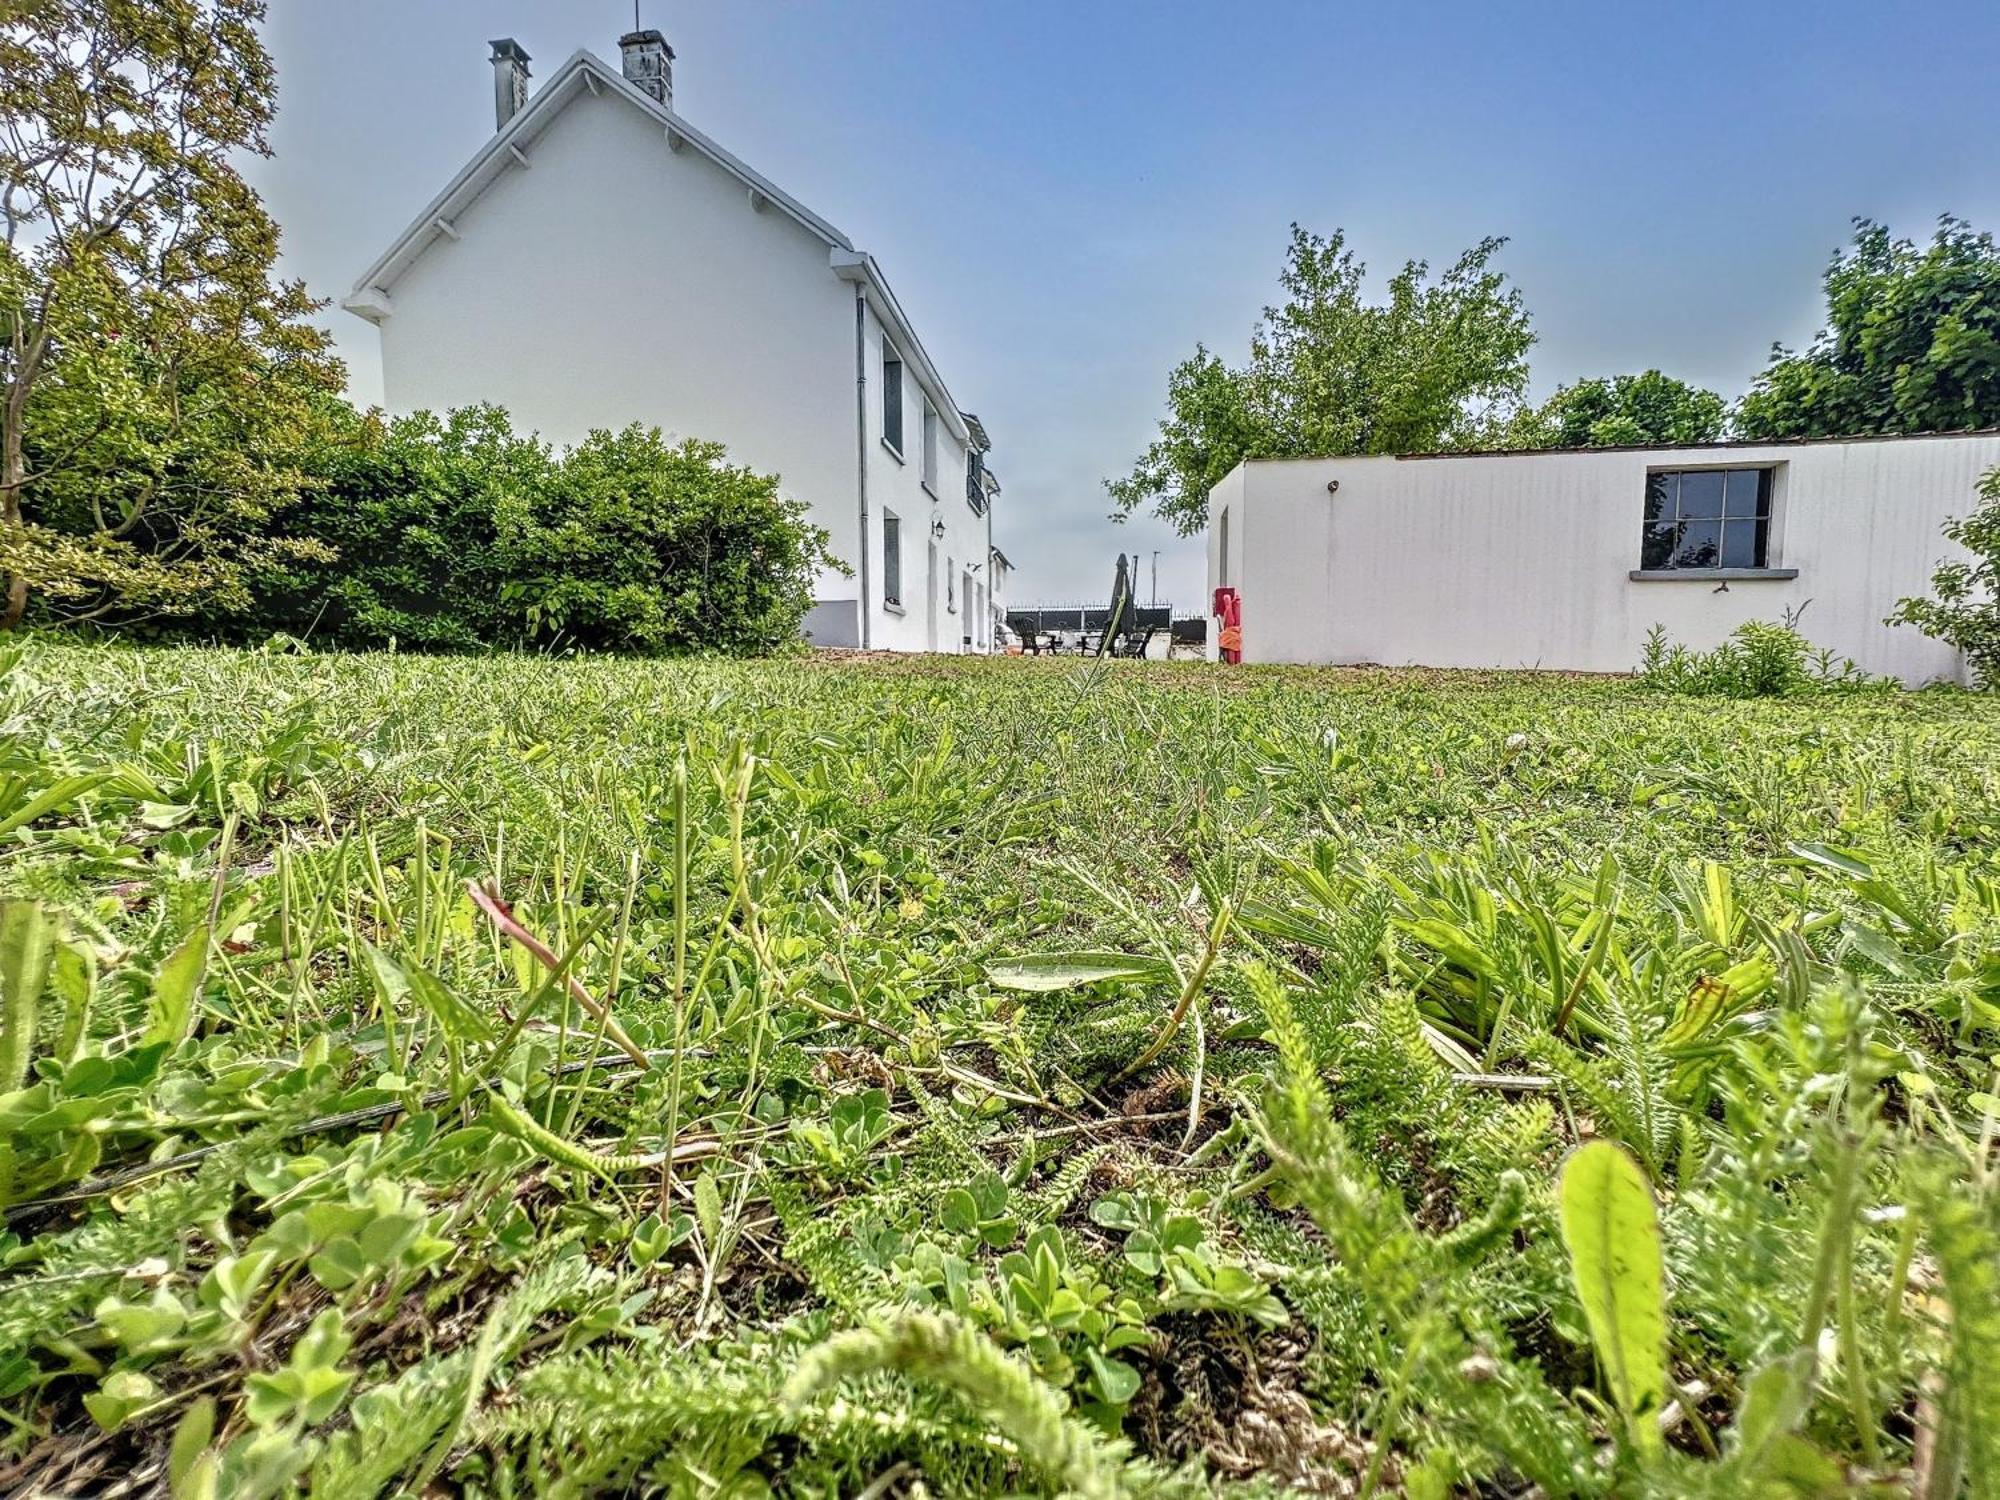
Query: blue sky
point(1068, 194)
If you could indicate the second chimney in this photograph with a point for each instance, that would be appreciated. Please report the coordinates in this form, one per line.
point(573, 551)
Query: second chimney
point(510, 80)
point(649, 64)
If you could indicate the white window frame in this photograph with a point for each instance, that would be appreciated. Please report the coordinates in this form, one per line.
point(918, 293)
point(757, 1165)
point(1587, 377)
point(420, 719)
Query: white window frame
point(930, 453)
point(1765, 519)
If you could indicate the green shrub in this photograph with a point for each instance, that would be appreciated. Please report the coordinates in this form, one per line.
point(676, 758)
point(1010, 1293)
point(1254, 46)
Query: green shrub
point(454, 532)
point(642, 545)
point(1964, 610)
point(410, 511)
point(1761, 659)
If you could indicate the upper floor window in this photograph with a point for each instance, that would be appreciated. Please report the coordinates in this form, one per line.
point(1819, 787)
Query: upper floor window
point(892, 559)
point(930, 446)
point(1707, 518)
point(975, 481)
point(892, 399)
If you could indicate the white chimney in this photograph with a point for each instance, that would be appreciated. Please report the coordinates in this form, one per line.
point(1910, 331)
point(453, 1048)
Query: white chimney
point(510, 80)
point(649, 63)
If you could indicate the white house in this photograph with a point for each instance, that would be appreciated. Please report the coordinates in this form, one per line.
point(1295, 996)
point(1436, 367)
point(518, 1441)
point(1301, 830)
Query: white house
point(600, 262)
point(1565, 559)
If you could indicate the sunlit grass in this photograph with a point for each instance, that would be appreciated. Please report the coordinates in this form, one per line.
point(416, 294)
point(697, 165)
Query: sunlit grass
point(505, 1069)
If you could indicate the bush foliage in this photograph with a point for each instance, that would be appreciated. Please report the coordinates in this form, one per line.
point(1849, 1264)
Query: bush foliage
point(454, 532)
point(638, 544)
point(409, 514)
point(1911, 342)
point(1964, 607)
point(1625, 409)
point(1761, 659)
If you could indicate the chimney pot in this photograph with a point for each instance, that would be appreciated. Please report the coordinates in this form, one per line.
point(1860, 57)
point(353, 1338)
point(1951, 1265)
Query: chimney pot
point(649, 64)
point(510, 79)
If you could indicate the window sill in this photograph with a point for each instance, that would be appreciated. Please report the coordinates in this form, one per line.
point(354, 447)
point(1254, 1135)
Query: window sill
point(891, 607)
point(1711, 575)
point(893, 451)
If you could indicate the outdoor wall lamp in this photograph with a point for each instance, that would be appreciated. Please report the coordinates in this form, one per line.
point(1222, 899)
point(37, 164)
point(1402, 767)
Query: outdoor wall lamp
point(937, 528)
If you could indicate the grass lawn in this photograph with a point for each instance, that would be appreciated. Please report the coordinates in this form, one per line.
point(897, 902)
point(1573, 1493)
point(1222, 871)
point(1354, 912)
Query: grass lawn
point(507, 1076)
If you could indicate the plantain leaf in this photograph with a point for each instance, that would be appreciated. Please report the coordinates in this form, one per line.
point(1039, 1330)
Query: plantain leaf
point(455, 1017)
point(1612, 1231)
point(27, 940)
point(1045, 973)
point(175, 989)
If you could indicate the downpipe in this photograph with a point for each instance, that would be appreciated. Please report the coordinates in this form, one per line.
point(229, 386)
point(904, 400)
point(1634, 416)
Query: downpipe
point(861, 445)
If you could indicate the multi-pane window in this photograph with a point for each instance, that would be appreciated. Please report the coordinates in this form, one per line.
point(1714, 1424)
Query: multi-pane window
point(892, 399)
point(930, 446)
point(975, 482)
point(1707, 518)
point(892, 559)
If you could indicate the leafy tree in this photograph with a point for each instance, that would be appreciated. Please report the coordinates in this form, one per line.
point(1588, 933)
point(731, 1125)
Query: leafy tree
point(156, 385)
point(1438, 365)
point(1964, 609)
point(1911, 343)
point(1601, 413)
point(641, 545)
point(1208, 430)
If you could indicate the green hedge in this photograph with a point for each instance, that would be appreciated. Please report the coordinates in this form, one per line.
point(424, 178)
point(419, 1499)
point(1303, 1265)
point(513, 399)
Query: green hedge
point(455, 532)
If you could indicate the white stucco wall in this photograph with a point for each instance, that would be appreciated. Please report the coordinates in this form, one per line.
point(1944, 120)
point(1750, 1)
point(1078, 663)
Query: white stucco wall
point(617, 281)
point(612, 278)
point(1523, 560)
point(932, 617)
point(1227, 518)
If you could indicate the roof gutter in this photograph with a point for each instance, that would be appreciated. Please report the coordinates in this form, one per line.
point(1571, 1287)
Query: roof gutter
point(859, 267)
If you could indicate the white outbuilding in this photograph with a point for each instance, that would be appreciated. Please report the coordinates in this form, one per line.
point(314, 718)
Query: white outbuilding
point(1565, 559)
point(600, 262)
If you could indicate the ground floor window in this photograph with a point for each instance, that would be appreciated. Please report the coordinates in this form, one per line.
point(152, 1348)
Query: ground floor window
point(892, 559)
point(1707, 518)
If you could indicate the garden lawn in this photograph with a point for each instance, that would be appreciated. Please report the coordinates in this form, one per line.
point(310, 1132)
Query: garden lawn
point(508, 1075)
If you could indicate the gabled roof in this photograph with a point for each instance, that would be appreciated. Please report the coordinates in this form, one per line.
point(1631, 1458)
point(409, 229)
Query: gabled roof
point(509, 149)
